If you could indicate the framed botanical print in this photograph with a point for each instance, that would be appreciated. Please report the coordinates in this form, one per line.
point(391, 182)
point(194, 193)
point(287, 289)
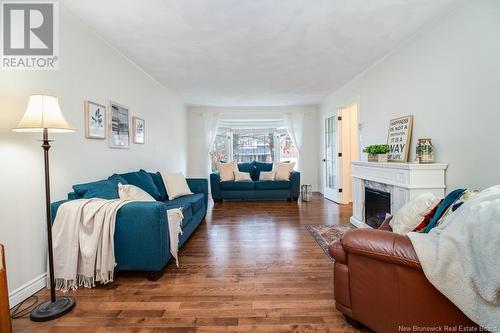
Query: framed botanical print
point(138, 127)
point(119, 126)
point(95, 120)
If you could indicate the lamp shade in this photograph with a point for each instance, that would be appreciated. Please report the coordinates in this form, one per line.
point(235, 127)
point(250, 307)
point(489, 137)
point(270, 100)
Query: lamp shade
point(43, 112)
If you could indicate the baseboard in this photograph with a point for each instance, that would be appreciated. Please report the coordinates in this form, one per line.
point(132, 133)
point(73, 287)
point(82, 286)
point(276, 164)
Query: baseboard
point(27, 290)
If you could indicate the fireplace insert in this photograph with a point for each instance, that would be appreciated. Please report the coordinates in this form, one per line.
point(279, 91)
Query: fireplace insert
point(377, 204)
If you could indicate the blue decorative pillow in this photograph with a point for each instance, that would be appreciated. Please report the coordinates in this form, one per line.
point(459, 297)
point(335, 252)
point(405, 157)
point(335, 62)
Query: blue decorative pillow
point(247, 167)
point(143, 180)
point(118, 178)
point(443, 206)
point(261, 166)
point(104, 189)
point(158, 180)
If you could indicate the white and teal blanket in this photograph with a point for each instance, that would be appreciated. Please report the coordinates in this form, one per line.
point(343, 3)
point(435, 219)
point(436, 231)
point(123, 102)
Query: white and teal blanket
point(461, 257)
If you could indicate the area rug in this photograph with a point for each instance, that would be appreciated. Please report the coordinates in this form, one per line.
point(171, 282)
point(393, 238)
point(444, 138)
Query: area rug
point(325, 234)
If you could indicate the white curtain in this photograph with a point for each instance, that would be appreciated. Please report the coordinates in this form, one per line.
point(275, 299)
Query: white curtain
point(211, 123)
point(295, 126)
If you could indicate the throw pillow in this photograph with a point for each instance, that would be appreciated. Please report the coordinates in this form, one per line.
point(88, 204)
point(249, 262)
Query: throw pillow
point(443, 206)
point(131, 192)
point(413, 212)
point(159, 184)
point(267, 175)
point(465, 196)
point(143, 180)
point(261, 166)
point(242, 176)
point(227, 170)
point(427, 219)
point(103, 189)
point(283, 170)
point(176, 184)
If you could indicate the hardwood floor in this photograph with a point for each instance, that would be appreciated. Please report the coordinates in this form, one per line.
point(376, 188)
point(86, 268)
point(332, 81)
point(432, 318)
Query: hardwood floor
point(250, 267)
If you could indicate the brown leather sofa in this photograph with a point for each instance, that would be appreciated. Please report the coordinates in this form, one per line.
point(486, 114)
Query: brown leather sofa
point(379, 284)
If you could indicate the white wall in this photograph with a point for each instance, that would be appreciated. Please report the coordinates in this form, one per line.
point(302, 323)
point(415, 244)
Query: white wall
point(89, 69)
point(198, 156)
point(448, 77)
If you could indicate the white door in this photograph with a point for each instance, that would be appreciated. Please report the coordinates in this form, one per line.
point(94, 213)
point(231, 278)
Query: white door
point(331, 159)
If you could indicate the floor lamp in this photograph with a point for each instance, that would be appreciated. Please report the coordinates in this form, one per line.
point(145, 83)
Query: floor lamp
point(43, 114)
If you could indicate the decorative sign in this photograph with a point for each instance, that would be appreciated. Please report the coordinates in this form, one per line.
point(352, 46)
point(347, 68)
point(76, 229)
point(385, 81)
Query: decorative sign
point(399, 138)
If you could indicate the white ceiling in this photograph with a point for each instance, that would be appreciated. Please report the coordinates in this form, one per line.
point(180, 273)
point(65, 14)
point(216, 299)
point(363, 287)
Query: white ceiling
point(255, 52)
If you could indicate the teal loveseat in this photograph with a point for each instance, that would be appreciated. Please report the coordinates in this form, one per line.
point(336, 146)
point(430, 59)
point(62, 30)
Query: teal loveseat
point(255, 189)
point(141, 232)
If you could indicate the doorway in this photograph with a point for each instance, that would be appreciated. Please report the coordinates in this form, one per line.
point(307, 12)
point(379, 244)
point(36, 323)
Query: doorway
point(341, 148)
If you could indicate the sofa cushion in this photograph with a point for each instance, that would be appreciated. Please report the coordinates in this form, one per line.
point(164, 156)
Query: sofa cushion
point(159, 184)
point(143, 180)
point(247, 167)
point(272, 185)
point(187, 210)
point(261, 166)
point(104, 189)
point(192, 203)
point(237, 186)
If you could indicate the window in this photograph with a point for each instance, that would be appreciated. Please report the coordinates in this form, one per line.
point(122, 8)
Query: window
point(253, 145)
point(220, 150)
point(287, 151)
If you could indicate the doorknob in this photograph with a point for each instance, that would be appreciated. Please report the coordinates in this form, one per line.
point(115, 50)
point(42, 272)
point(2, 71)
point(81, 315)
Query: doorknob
point(323, 160)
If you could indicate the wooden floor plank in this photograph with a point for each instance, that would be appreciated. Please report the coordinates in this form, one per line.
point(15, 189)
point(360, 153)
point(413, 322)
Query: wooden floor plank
point(249, 267)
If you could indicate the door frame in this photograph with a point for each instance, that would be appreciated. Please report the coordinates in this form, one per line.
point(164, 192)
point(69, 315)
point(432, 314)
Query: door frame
point(345, 128)
point(332, 194)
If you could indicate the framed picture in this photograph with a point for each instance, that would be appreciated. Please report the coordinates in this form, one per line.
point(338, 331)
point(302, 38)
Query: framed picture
point(95, 120)
point(138, 130)
point(399, 138)
point(119, 127)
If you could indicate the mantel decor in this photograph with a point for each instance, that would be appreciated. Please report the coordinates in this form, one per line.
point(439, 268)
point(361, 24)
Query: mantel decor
point(377, 153)
point(43, 114)
point(399, 138)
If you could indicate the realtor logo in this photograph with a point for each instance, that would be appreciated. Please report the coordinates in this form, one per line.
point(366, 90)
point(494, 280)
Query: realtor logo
point(30, 35)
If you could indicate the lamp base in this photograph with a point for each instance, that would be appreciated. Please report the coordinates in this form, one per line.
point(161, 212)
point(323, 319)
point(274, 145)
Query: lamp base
point(51, 310)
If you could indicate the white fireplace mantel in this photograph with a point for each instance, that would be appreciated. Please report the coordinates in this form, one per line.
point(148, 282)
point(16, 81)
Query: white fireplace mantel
point(403, 181)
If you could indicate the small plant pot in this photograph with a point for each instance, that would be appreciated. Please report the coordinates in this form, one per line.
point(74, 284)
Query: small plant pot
point(382, 158)
point(372, 158)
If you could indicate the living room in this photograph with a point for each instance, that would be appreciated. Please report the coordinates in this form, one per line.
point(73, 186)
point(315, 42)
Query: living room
point(255, 166)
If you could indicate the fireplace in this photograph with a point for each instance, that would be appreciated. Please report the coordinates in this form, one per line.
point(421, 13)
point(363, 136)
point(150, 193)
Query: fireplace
point(377, 204)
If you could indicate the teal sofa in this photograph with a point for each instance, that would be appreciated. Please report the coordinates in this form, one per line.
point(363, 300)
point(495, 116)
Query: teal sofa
point(255, 189)
point(141, 233)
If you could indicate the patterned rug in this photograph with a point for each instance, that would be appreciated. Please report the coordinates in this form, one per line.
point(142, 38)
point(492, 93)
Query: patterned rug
point(325, 234)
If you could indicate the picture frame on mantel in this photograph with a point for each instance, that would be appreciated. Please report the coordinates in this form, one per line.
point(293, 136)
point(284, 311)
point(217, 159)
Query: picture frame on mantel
point(399, 139)
point(139, 130)
point(119, 126)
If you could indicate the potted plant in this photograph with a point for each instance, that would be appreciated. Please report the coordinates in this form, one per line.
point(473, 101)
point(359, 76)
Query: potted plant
point(377, 153)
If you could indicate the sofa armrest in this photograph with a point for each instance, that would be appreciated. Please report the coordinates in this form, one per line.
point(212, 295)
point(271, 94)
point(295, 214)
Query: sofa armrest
point(215, 185)
point(381, 245)
point(199, 185)
point(337, 252)
point(295, 184)
point(54, 207)
point(141, 236)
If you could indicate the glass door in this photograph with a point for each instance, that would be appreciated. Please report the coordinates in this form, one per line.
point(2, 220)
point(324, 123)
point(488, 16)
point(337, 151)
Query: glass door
point(331, 190)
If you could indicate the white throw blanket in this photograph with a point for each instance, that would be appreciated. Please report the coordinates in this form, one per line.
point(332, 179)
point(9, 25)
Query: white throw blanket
point(460, 257)
point(83, 241)
point(175, 218)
